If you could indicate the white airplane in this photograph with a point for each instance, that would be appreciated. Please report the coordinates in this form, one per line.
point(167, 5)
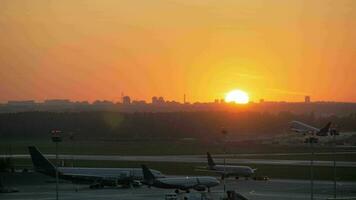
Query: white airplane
point(199, 183)
point(228, 170)
point(95, 177)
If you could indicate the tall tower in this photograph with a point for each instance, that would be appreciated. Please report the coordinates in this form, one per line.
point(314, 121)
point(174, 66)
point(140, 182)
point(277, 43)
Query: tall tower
point(307, 99)
point(126, 100)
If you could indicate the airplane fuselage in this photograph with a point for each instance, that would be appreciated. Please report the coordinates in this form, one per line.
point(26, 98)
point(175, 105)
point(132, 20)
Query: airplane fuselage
point(230, 170)
point(94, 176)
point(185, 183)
point(135, 173)
point(104, 176)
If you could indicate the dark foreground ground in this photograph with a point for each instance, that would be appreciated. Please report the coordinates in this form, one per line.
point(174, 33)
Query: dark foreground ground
point(35, 186)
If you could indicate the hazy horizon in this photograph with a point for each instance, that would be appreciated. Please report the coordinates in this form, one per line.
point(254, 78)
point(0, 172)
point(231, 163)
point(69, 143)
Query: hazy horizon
point(181, 101)
point(88, 50)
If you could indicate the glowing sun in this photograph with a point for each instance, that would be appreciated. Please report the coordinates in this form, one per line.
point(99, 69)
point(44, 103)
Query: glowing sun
point(237, 96)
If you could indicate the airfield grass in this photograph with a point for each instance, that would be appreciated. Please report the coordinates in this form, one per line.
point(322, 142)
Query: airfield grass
point(321, 157)
point(157, 147)
point(169, 168)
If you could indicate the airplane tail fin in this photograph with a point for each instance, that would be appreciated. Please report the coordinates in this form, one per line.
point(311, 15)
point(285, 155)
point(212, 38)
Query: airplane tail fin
point(324, 131)
point(211, 162)
point(40, 163)
point(148, 177)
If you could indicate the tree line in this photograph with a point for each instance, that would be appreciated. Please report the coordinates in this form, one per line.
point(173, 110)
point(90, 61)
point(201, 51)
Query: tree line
point(171, 125)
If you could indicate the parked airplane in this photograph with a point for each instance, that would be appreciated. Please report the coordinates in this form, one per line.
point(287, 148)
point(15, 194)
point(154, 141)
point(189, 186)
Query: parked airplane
point(96, 177)
point(228, 170)
point(199, 183)
point(305, 129)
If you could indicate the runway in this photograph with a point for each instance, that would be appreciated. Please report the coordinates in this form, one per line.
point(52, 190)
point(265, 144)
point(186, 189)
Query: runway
point(35, 186)
point(194, 159)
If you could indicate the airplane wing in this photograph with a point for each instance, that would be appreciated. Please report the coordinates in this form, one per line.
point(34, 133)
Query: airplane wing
point(303, 128)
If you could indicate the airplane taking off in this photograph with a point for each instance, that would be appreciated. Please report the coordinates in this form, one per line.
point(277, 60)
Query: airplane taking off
point(303, 128)
point(199, 183)
point(228, 170)
point(315, 133)
point(95, 177)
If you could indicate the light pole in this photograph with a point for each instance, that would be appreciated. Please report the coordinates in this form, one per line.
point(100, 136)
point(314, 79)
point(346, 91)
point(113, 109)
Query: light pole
point(56, 138)
point(312, 169)
point(334, 132)
point(224, 133)
point(311, 140)
point(71, 137)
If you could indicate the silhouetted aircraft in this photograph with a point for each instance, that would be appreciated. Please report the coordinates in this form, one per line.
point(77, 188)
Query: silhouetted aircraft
point(311, 131)
point(95, 177)
point(303, 128)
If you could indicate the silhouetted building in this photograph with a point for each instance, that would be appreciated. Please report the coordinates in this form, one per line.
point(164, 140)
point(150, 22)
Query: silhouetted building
point(161, 100)
point(21, 103)
point(139, 102)
point(126, 100)
point(158, 100)
point(262, 100)
point(82, 103)
point(103, 103)
point(154, 100)
point(307, 99)
point(57, 102)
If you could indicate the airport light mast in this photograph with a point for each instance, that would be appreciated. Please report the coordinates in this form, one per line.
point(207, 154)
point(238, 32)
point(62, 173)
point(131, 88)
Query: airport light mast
point(311, 140)
point(71, 137)
point(56, 138)
point(334, 132)
point(224, 133)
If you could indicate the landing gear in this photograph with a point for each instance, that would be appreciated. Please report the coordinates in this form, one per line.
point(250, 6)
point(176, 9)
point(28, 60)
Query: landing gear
point(176, 191)
point(237, 178)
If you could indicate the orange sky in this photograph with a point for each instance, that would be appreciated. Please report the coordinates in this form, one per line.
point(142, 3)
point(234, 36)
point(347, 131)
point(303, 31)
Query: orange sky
point(94, 49)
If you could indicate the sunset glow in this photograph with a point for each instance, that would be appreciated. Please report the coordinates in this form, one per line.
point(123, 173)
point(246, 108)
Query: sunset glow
point(237, 96)
point(88, 50)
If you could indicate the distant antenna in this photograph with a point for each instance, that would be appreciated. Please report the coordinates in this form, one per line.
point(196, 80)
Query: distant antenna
point(122, 97)
point(184, 100)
